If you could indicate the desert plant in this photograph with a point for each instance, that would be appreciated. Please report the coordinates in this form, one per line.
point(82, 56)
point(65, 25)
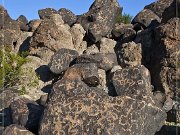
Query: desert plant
point(125, 18)
point(10, 68)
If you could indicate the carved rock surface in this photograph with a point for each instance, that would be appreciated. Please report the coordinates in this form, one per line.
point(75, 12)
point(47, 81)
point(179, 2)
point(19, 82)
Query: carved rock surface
point(74, 108)
point(133, 82)
point(100, 18)
point(61, 60)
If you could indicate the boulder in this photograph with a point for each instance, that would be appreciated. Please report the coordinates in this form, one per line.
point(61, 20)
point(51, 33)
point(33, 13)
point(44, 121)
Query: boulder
point(27, 113)
point(87, 72)
point(61, 60)
point(159, 6)
point(172, 11)
point(16, 130)
point(75, 108)
point(146, 39)
point(128, 36)
point(107, 45)
point(104, 61)
point(35, 76)
point(68, 17)
point(22, 20)
point(78, 34)
point(93, 49)
point(164, 66)
point(100, 19)
point(120, 29)
point(45, 13)
point(129, 54)
point(9, 30)
point(23, 42)
point(146, 17)
point(51, 35)
point(133, 82)
point(33, 24)
point(7, 96)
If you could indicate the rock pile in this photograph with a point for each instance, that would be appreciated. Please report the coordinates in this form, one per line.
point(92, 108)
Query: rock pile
point(96, 76)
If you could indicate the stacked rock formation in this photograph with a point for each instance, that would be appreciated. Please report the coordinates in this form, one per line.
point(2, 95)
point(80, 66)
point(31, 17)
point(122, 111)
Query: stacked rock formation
point(96, 76)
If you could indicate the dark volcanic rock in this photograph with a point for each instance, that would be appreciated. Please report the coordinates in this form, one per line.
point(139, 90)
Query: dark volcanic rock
point(172, 11)
point(74, 108)
point(146, 38)
point(159, 6)
point(104, 61)
point(45, 13)
point(16, 130)
point(6, 97)
point(33, 24)
point(67, 16)
point(61, 60)
point(26, 113)
point(22, 20)
point(51, 35)
point(120, 29)
point(100, 18)
point(145, 18)
point(10, 30)
point(87, 72)
point(128, 36)
point(133, 82)
point(129, 54)
point(165, 69)
point(169, 130)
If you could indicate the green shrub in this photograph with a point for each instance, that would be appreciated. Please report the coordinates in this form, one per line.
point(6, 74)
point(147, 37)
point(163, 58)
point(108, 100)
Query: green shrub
point(10, 68)
point(125, 18)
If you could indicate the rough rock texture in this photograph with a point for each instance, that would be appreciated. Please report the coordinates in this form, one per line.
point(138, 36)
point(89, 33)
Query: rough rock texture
point(22, 20)
point(133, 82)
point(27, 113)
point(107, 45)
point(108, 61)
point(33, 24)
point(145, 18)
point(35, 77)
point(172, 11)
point(129, 54)
point(104, 61)
point(87, 72)
point(102, 80)
point(9, 30)
point(67, 16)
point(78, 34)
point(120, 29)
point(146, 39)
point(46, 13)
point(74, 108)
point(93, 49)
point(16, 130)
point(51, 35)
point(128, 36)
point(165, 69)
point(23, 42)
point(100, 18)
point(159, 6)
point(6, 97)
point(61, 60)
